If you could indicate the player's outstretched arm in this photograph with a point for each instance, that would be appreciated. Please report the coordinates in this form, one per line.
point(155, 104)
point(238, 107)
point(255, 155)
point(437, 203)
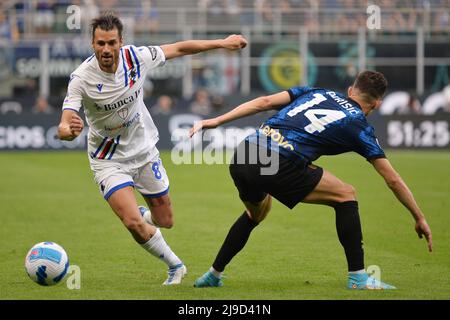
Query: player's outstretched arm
point(70, 125)
point(182, 48)
point(405, 196)
point(248, 108)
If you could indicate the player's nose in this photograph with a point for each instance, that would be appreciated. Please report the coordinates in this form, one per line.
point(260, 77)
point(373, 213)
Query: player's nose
point(107, 49)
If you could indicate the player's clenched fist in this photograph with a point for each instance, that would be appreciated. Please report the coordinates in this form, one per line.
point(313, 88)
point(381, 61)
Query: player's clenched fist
point(234, 42)
point(70, 126)
point(76, 125)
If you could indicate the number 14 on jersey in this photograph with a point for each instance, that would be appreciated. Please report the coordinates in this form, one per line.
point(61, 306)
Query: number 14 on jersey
point(317, 124)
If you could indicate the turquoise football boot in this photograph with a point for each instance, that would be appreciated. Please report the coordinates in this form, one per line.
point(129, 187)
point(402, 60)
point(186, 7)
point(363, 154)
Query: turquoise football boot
point(362, 281)
point(208, 280)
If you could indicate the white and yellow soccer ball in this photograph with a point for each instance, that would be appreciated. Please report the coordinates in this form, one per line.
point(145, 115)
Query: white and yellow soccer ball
point(47, 263)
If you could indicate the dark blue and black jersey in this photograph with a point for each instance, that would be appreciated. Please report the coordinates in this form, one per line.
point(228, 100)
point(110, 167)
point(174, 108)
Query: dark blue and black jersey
point(319, 122)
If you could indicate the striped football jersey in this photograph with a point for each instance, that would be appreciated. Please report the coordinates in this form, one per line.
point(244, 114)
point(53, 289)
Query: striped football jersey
point(120, 126)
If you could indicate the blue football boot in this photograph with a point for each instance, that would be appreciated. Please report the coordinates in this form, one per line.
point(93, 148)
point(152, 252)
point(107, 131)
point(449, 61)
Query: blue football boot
point(362, 281)
point(208, 280)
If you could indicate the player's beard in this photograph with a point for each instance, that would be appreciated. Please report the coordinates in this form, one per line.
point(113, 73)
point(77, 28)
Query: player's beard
point(107, 64)
point(107, 61)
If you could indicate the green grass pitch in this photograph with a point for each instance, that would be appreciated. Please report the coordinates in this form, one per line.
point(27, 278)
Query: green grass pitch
point(292, 255)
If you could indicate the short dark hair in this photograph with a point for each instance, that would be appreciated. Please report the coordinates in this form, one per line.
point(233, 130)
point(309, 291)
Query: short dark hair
point(371, 84)
point(107, 21)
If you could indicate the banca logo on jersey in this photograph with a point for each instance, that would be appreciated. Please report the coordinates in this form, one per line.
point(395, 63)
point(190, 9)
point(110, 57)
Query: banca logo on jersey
point(120, 103)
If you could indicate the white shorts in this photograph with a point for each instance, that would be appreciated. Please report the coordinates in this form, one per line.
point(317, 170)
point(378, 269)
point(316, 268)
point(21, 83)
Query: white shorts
point(150, 178)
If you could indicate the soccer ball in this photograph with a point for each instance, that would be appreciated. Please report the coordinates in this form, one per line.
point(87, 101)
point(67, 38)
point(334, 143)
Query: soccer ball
point(46, 263)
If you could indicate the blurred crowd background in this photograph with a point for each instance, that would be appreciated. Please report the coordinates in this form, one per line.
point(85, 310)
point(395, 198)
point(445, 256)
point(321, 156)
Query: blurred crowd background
point(38, 50)
point(27, 19)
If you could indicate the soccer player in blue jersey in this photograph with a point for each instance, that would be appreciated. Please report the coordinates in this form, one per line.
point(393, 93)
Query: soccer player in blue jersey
point(311, 122)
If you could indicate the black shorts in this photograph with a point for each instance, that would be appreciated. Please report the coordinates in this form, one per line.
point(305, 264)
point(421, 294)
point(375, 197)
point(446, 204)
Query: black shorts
point(290, 184)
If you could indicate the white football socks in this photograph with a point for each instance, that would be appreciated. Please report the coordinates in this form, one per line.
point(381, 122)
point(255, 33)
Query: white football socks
point(216, 273)
point(357, 272)
point(158, 247)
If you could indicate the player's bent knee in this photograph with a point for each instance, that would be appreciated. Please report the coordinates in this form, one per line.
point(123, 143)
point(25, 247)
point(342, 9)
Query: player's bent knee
point(259, 212)
point(267, 205)
point(163, 219)
point(349, 193)
point(168, 224)
point(256, 217)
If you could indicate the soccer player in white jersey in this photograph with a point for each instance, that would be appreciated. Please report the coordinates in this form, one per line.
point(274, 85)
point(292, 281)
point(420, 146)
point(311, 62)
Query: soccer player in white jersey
point(122, 135)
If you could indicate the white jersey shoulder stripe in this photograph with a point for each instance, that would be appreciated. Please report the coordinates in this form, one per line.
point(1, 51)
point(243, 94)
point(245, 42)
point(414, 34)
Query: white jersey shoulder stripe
point(131, 65)
point(136, 60)
point(125, 70)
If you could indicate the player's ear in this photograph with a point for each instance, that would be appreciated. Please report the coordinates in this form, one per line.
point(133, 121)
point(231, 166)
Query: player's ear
point(349, 91)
